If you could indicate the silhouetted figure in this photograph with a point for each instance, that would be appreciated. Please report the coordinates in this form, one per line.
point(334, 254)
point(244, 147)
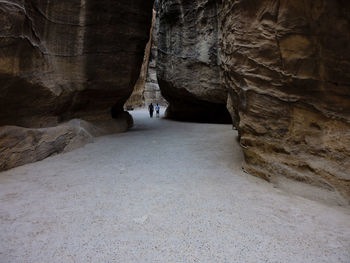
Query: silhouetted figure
point(157, 110)
point(151, 110)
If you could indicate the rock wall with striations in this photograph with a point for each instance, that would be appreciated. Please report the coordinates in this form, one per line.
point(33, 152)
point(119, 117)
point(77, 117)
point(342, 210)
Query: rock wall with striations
point(188, 68)
point(61, 60)
point(286, 65)
point(286, 68)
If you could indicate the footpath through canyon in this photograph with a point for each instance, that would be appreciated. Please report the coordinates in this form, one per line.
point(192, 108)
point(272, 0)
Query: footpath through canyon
point(165, 191)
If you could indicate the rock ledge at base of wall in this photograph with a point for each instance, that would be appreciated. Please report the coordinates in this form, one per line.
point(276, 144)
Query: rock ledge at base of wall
point(20, 146)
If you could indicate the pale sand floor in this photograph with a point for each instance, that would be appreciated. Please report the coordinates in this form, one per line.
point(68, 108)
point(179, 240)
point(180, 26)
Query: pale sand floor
point(163, 192)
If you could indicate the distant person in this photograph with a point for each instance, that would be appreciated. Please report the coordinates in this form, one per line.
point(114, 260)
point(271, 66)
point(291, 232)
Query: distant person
point(157, 110)
point(151, 110)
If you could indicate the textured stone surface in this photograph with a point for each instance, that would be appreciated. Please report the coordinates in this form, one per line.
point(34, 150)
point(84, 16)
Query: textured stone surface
point(146, 89)
point(137, 97)
point(64, 59)
point(20, 145)
point(287, 66)
point(61, 60)
point(152, 92)
point(188, 60)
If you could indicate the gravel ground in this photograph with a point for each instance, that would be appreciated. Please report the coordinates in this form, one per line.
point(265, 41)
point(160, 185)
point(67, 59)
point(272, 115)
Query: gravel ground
point(164, 192)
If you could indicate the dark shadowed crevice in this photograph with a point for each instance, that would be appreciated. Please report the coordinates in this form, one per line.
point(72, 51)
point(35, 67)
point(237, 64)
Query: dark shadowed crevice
point(187, 107)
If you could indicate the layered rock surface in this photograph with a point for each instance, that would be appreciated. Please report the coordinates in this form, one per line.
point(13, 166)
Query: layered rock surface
point(286, 65)
point(146, 89)
point(188, 60)
point(152, 92)
point(61, 60)
point(137, 97)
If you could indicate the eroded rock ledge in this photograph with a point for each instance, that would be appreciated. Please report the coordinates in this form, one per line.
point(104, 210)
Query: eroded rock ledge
point(20, 145)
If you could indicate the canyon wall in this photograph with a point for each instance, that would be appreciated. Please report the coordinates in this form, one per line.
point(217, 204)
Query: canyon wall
point(146, 89)
point(152, 92)
point(282, 67)
point(188, 60)
point(64, 60)
point(285, 66)
point(137, 98)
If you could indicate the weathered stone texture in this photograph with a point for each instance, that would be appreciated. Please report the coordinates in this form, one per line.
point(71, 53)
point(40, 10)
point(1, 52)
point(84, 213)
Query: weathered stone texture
point(286, 65)
point(20, 145)
point(152, 92)
point(146, 89)
point(61, 60)
point(188, 60)
point(137, 97)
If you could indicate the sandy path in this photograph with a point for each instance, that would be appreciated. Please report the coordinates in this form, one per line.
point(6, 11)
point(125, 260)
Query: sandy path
point(163, 192)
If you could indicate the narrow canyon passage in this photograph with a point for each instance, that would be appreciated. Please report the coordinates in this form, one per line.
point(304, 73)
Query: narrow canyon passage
point(163, 192)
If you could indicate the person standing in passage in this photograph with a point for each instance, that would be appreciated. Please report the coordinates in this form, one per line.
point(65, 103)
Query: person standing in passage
point(151, 110)
point(157, 110)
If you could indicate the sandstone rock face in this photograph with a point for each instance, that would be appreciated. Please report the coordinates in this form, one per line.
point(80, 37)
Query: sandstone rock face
point(286, 65)
point(61, 60)
point(146, 89)
point(152, 93)
point(65, 59)
point(188, 60)
point(137, 97)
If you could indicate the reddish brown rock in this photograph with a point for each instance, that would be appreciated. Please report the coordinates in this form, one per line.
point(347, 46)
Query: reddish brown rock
point(20, 145)
point(137, 97)
point(286, 65)
point(61, 60)
point(152, 92)
point(146, 89)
